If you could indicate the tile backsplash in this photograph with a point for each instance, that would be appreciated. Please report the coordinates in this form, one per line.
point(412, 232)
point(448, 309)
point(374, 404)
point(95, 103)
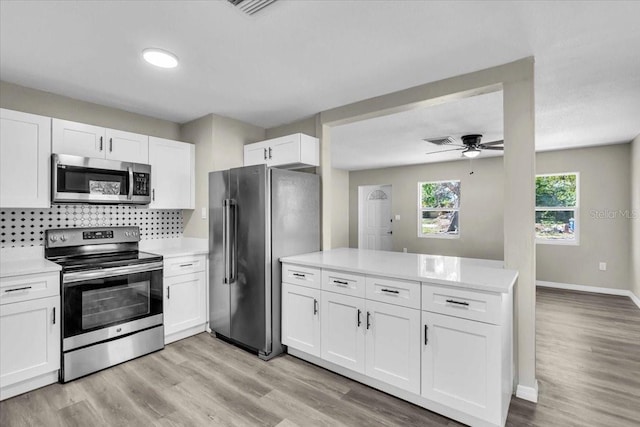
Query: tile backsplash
point(25, 227)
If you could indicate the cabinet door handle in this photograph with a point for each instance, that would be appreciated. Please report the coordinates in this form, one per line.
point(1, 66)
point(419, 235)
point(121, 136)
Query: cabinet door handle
point(390, 291)
point(315, 306)
point(265, 153)
point(368, 320)
point(53, 315)
point(269, 152)
point(100, 143)
point(110, 145)
point(451, 301)
point(153, 195)
point(359, 320)
point(24, 288)
point(426, 338)
point(168, 292)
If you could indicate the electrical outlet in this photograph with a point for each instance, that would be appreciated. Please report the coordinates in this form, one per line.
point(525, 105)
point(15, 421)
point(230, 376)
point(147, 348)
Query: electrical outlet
point(404, 250)
point(603, 266)
point(397, 217)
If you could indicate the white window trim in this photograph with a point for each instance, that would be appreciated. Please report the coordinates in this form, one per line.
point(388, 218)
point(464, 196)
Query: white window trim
point(576, 209)
point(421, 209)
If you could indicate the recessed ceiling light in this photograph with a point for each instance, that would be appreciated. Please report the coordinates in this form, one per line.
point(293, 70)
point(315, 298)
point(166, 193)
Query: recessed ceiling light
point(160, 58)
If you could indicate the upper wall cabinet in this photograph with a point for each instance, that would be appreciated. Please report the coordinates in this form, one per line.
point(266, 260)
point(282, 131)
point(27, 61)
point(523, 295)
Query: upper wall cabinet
point(25, 149)
point(92, 141)
point(290, 152)
point(172, 174)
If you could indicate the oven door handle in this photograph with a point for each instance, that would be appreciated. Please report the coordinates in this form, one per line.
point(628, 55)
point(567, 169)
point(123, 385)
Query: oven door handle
point(82, 276)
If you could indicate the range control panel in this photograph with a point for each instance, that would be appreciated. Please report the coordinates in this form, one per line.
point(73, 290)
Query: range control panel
point(64, 237)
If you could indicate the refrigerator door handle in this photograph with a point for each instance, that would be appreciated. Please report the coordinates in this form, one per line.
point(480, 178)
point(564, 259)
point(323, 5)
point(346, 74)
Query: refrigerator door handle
point(229, 240)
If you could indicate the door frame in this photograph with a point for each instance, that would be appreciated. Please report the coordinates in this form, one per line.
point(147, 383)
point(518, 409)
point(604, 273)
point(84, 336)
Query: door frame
point(362, 190)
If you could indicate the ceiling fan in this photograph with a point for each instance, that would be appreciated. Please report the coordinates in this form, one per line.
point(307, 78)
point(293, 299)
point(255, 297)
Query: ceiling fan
point(471, 145)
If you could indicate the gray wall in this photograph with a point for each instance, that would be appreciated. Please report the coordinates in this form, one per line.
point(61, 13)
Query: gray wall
point(481, 213)
point(219, 145)
point(306, 126)
point(605, 174)
point(20, 98)
point(635, 222)
point(605, 185)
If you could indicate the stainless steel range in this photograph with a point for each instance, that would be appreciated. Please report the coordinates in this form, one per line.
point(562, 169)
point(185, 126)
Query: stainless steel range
point(111, 297)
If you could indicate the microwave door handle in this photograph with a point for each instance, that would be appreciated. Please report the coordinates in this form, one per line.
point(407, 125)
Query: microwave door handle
point(130, 195)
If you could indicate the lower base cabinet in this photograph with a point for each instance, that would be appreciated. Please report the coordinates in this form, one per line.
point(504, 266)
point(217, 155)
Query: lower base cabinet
point(301, 318)
point(461, 364)
point(29, 345)
point(343, 330)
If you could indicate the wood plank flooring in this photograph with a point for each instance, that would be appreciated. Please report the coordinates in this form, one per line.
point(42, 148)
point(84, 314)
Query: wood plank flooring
point(588, 370)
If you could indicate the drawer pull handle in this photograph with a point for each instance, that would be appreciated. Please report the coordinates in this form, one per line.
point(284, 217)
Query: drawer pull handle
point(390, 291)
point(340, 282)
point(186, 265)
point(451, 301)
point(298, 275)
point(426, 338)
point(359, 320)
point(24, 288)
point(315, 306)
point(368, 320)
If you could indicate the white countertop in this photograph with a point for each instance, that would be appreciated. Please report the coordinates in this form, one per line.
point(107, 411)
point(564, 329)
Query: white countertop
point(485, 275)
point(29, 260)
point(172, 248)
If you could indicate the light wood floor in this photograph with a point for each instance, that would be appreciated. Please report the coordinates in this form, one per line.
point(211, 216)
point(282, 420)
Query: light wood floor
point(588, 370)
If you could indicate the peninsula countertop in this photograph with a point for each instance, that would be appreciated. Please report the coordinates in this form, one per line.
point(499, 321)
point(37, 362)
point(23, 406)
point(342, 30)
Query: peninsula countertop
point(478, 274)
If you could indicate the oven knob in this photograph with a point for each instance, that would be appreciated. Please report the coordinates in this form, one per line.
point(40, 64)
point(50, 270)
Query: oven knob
point(53, 238)
point(127, 234)
point(63, 238)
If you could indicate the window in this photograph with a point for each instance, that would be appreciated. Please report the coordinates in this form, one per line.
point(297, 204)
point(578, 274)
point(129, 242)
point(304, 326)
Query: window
point(438, 205)
point(557, 208)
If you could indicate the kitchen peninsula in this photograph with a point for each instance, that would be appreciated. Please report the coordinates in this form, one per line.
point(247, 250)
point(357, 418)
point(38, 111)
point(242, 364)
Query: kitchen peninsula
point(433, 330)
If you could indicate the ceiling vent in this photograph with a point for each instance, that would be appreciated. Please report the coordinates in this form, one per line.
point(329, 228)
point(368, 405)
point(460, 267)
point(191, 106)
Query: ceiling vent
point(443, 140)
point(251, 6)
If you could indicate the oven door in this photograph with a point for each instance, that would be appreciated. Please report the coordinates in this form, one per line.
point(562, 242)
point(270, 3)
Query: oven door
point(99, 305)
point(87, 180)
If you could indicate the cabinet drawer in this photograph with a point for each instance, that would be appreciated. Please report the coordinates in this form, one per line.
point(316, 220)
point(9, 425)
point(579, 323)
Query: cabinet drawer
point(183, 265)
point(304, 276)
point(28, 287)
point(343, 283)
point(393, 291)
point(473, 305)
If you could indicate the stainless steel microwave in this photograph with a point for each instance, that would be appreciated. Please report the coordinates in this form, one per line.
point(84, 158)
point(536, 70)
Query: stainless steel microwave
point(78, 179)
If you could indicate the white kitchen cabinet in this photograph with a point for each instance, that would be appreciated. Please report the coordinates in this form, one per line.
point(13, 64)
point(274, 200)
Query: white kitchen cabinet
point(25, 160)
point(301, 318)
point(185, 287)
point(29, 333)
point(461, 364)
point(393, 345)
point(343, 328)
point(291, 152)
point(85, 140)
point(172, 174)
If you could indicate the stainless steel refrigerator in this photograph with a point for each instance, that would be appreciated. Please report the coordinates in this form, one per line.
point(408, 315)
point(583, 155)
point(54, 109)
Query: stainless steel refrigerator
point(256, 216)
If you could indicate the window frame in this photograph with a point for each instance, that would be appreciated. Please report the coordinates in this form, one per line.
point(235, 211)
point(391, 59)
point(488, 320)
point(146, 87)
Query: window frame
point(421, 209)
point(576, 209)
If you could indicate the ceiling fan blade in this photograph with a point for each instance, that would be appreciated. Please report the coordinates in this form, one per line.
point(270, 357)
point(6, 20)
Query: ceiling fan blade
point(444, 151)
point(500, 142)
point(492, 148)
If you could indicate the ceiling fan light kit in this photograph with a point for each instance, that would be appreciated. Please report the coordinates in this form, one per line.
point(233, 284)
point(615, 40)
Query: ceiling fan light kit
point(471, 153)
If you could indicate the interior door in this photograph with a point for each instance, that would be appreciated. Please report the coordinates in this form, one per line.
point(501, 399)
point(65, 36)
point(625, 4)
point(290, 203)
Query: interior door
point(252, 286)
point(375, 217)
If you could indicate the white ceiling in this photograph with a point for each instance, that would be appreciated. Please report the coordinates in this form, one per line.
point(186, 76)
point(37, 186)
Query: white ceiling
point(296, 58)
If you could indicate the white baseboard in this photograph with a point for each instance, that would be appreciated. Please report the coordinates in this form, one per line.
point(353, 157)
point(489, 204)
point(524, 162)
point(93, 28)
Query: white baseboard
point(528, 393)
point(592, 289)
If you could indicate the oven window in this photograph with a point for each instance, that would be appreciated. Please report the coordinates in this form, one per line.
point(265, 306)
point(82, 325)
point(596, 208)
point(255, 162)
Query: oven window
point(115, 304)
point(99, 303)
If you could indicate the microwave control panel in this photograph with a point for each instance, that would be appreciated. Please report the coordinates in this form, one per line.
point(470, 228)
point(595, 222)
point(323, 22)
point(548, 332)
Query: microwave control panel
point(141, 184)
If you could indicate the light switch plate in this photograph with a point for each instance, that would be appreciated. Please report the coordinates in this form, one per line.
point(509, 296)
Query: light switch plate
point(603, 266)
point(203, 213)
point(397, 217)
